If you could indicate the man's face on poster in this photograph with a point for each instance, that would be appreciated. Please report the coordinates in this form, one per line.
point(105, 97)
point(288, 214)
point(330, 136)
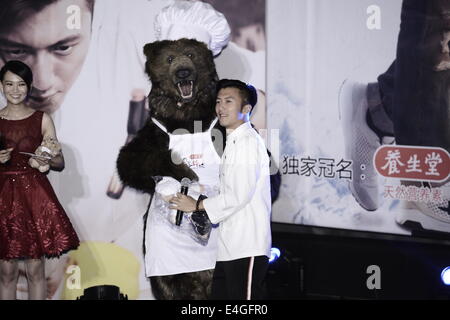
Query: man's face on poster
point(53, 46)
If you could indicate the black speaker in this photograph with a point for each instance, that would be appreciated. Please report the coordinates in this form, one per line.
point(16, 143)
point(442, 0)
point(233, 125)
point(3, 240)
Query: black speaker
point(105, 292)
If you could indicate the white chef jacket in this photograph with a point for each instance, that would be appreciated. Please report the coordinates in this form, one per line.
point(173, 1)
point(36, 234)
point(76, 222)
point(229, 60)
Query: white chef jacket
point(243, 205)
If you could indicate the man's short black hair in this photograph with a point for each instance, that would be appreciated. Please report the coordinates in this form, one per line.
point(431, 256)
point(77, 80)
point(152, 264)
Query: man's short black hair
point(15, 12)
point(247, 91)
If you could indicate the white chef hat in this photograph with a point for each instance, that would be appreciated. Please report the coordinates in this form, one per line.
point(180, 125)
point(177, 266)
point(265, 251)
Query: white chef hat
point(193, 20)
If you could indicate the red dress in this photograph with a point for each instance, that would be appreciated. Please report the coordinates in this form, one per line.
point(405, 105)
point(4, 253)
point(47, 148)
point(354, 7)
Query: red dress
point(33, 224)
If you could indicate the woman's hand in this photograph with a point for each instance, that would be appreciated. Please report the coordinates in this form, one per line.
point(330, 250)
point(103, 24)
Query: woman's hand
point(42, 161)
point(55, 162)
point(51, 145)
point(183, 203)
point(43, 165)
point(5, 155)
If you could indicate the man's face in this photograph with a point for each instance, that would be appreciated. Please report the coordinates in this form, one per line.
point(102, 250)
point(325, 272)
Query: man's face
point(229, 108)
point(54, 52)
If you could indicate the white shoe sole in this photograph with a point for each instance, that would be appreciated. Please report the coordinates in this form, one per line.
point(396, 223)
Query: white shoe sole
point(411, 213)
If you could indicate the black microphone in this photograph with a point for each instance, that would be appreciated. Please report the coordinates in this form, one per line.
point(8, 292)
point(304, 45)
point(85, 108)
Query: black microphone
point(185, 182)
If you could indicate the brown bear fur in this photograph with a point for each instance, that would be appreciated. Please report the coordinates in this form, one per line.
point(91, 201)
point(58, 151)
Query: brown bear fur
point(148, 155)
point(167, 59)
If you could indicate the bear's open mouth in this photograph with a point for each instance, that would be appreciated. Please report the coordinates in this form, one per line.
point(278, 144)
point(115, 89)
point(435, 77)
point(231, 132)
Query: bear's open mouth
point(185, 88)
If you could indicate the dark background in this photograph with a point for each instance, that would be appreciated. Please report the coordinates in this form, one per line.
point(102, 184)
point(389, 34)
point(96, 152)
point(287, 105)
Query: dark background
point(324, 263)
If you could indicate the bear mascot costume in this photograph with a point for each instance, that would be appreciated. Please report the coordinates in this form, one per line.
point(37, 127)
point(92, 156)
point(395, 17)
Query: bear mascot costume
point(181, 139)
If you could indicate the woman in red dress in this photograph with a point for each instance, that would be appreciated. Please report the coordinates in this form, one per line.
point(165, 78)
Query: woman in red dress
point(33, 224)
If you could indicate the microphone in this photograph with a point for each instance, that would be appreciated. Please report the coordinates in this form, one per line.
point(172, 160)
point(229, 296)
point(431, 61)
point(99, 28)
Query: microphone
point(185, 182)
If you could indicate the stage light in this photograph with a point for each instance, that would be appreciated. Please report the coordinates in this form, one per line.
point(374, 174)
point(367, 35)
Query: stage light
point(445, 276)
point(103, 292)
point(275, 253)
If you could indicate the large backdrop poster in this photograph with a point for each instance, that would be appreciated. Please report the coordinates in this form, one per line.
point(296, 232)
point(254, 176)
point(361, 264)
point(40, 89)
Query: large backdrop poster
point(329, 62)
point(87, 58)
point(311, 61)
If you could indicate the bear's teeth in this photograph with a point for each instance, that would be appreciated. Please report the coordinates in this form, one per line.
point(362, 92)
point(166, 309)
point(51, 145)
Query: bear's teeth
point(185, 89)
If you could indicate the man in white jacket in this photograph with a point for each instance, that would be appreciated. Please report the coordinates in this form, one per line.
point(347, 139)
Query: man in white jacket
point(243, 205)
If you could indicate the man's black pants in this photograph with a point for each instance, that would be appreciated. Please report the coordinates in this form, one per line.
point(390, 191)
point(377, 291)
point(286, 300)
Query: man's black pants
point(241, 279)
